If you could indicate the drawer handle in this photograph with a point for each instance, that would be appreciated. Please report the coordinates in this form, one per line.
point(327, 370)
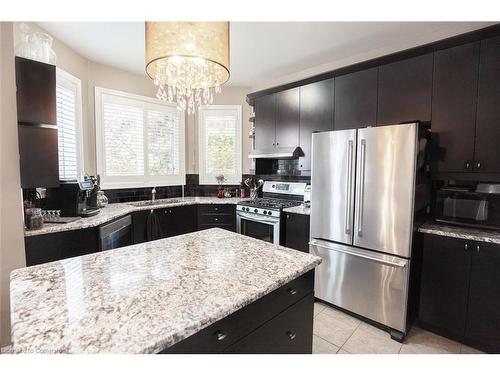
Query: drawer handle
point(291, 335)
point(220, 335)
point(292, 291)
point(466, 247)
point(216, 208)
point(478, 249)
point(216, 219)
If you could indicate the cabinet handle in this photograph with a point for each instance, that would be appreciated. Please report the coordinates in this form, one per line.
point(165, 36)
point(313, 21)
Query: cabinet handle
point(467, 165)
point(220, 335)
point(291, 335)
point(478, 249)
point(466, 247)
point(288, 216)
point(216, 208)
point(292, 291)
point(216, 219)
point(479, 164)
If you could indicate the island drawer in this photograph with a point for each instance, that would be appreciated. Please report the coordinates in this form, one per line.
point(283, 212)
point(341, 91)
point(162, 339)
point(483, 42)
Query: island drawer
point(230, 227)
point(217, 337)
point(219, 209)
point(216, 219)
point(288, 333)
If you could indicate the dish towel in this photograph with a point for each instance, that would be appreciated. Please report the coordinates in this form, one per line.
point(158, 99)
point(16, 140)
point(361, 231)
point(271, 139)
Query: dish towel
point(153, 229)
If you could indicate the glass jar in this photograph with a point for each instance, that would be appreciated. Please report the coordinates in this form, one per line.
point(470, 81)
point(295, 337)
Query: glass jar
point(102, 200)
point(34, 218)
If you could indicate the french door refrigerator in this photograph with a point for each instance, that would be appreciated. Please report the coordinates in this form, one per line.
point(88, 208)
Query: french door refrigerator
point(362, 212)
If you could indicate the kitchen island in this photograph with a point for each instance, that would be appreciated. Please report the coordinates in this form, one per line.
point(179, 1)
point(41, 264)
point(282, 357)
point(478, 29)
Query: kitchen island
point(207, 291)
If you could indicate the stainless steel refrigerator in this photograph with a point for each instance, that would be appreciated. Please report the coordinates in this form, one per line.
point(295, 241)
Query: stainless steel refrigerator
point(364, 184)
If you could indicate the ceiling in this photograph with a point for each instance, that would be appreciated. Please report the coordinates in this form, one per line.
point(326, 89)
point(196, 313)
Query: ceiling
point(263, 51)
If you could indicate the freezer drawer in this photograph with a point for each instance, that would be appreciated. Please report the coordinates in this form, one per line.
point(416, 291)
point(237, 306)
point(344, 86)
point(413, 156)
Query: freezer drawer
point(364, 282)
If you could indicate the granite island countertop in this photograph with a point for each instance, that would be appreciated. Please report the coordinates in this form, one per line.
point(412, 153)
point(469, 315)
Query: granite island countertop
point(115, 210)
point(473, 234)
point(147, 297)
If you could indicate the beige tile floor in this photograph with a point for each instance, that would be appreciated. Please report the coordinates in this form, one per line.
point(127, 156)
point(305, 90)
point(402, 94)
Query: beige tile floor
point(339, 333)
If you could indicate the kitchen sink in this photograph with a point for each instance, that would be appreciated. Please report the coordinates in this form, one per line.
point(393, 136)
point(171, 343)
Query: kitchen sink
point(155, 202)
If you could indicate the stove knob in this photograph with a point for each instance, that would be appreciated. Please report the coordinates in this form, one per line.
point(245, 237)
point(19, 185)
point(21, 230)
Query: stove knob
point(269, 213)
point(248, 209)
point(256, 210)
point(265, 212)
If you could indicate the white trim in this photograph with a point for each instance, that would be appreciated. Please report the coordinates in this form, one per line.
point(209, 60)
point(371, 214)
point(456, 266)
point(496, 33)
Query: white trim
point(136, 181)
point(67, 80)
point(210, 180)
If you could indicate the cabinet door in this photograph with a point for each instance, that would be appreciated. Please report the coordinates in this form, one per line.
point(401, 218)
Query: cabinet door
point(38, 156)
point(405, 91)
point(483, 312)
point(487, 157)
point(265, 124)
point(36, 92)
point(444, 284)
point(297, 232)
point(356, 100)
point(316, 115)
point(184, 219)
point(454, 100)
point(287, 118)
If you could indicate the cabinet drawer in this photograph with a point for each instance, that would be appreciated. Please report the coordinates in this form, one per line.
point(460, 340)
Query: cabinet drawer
point(207, 209)
point(220, 335)
point(216, 219)
point(288, 333)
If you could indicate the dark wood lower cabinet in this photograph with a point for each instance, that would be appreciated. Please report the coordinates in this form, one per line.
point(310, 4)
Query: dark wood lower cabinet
point(279, 322)
point(482, 329)
point(460, 291)
point(56, 246)
point(217, 216)
point(297, 232)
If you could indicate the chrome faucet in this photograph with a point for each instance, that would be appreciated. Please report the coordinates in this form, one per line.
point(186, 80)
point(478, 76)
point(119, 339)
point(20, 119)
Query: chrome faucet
point(153, 194)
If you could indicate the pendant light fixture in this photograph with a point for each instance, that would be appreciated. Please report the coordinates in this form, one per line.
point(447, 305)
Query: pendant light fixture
point(188, 61)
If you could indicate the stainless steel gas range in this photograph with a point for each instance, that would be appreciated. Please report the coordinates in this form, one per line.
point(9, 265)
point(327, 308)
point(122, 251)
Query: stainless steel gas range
point(262, 217)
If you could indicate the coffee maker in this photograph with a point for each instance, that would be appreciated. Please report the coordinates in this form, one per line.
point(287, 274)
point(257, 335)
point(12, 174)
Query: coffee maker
point(75, 198)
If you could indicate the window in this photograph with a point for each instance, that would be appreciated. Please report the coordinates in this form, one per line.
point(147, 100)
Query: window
point(220, 143)
point(139, 140)
point(69, 124)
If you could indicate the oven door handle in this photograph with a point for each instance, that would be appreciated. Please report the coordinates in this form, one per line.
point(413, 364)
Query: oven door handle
point(258, 218)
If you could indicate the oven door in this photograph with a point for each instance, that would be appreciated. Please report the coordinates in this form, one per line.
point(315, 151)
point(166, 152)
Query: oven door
point(258, 226)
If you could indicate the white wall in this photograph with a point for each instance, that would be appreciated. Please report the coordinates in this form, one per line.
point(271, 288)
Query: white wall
point(11, 224)
point(94, 74)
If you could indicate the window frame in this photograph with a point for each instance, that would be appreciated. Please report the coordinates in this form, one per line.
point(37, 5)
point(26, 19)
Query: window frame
point(209, 179)
point(71, 82)
point(119, 182)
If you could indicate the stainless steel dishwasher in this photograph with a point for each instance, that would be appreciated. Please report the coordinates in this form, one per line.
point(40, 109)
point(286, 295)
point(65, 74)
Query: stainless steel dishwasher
point(118, 233)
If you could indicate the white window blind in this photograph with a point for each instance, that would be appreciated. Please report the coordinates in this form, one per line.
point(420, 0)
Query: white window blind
point(220, 143)
point(140, 141)
point(69, 118)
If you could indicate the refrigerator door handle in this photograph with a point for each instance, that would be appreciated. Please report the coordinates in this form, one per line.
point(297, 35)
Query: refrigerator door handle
point(359, 254)
point(361, 195)
point(347, 223)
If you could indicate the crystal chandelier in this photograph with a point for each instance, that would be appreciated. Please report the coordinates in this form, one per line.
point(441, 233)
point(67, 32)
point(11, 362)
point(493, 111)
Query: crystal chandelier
point(188, 61)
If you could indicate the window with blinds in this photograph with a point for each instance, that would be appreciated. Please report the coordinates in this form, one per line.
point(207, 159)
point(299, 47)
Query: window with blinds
point(220, 144)
point(69, 124)
point(140, 141)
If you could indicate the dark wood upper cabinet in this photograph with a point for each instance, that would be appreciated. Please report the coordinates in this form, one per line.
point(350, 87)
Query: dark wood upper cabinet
point(356, 99)
point(39, 158)
point(36, 92)
point(316, 115)
point(444, 284)
point(454, 101)
point(486, 155)
point(287, 118)
point(483, 311)
point(405, 91)
point(265, 121)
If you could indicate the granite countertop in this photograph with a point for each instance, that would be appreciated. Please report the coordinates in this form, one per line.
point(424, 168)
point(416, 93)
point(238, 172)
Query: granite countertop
point(465, 233)
point(115, 210)
point(298, 210)
point(147, 297)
